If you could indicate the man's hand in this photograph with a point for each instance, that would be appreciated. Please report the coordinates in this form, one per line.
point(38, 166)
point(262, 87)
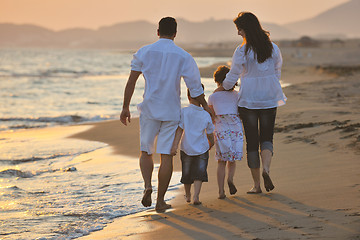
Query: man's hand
point(221, 88)
point(125, 114)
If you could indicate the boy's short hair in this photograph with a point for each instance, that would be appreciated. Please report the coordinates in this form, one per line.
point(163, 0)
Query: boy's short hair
point(167, 26)
point(188, 91)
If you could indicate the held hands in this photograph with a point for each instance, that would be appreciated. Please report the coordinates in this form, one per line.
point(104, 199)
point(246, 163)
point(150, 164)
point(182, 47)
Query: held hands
point(125, 114)
point(173, 151)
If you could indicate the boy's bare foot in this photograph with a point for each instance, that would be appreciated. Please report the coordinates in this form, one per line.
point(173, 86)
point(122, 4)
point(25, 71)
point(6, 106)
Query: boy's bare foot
point(162, 206)
point(254, 191)
point(267, 181)
point(187, 198)
point(232, 188)
point(146, 200)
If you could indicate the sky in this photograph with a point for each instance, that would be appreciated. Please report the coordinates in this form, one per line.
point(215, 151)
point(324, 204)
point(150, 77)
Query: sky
point(62, 14)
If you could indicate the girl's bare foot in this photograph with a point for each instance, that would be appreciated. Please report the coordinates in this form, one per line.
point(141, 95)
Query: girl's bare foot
point(254, 190)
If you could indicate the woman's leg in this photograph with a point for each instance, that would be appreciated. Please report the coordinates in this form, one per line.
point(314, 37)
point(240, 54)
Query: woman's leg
point(250, 120)
point(221, 178)
point(267, 123)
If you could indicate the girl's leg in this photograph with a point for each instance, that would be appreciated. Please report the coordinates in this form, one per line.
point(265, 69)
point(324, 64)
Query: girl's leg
point(231, 173)
point(221, 178)
point(197, 188)
point(187, 192)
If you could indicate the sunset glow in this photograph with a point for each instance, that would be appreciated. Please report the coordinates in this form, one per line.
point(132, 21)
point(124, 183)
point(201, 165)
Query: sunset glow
point(61, 14)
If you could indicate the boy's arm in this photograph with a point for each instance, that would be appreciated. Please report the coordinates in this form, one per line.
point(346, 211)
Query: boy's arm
point(178, 134)
point(210, 138)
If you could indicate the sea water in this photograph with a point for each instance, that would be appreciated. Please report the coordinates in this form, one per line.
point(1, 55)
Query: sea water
point(44, 192)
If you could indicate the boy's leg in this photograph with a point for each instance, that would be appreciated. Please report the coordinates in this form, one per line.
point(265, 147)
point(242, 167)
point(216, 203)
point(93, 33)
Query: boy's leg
point(187, 188)
point(146, 167)
point(221, 178)
point(197, 188)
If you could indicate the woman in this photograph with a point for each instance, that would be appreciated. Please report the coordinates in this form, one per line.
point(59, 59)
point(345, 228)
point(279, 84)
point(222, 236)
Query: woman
point(257, 61)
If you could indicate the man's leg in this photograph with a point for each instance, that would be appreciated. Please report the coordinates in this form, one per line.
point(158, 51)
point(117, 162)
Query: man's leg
point(164, 176)
point(146, 167)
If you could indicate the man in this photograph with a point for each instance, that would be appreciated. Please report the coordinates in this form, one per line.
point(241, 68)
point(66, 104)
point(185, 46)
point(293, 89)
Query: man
point(162, 65)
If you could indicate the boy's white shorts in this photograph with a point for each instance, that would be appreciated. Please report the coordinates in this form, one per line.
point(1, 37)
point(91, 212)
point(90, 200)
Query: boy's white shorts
point(164, 130)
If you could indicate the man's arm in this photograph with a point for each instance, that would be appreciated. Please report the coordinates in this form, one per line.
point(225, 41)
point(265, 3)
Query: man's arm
point(210, 138)
point(202, 101)
point(178, 134)
point(129, 90)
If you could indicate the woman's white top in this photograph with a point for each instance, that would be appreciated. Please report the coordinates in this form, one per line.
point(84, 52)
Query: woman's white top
point(260, 82)
point(224, 102)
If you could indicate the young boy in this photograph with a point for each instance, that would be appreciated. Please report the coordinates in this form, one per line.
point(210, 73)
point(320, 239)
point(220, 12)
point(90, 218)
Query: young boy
point(198, 138)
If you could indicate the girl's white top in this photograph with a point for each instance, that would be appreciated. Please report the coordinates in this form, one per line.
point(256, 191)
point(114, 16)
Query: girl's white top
point(260, 82)
point(224, 102)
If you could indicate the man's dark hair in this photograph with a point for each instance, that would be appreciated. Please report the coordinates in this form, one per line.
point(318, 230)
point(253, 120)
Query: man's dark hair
point(167, 26)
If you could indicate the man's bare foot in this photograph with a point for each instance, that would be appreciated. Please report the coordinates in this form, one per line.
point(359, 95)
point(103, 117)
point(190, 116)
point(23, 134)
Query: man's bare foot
point(197, 203)
point(146, 200)
point(254, 190)
point(162, 206)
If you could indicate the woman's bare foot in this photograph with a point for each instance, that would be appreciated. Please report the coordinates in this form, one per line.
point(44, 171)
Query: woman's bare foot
point(267, 181)
point(254, 190)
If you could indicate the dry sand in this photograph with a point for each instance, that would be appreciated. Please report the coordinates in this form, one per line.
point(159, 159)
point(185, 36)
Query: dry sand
point(315, 170)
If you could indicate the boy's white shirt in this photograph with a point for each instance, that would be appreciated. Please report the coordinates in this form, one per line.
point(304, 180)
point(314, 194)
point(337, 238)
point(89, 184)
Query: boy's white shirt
point(196, 123)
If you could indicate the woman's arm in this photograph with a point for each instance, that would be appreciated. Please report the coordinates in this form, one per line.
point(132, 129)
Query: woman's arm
point(237, 67)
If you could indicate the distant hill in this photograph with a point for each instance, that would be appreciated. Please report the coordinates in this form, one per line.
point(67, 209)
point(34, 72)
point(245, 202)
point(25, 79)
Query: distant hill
point(126, 35)
point(341, 21)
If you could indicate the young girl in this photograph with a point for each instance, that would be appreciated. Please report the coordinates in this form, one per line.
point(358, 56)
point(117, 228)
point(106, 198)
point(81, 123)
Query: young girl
point(228, 131)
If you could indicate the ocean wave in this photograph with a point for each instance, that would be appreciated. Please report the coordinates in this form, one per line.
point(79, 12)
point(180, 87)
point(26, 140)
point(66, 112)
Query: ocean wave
point(16, 173)
point(41, 122)
point(32, 159)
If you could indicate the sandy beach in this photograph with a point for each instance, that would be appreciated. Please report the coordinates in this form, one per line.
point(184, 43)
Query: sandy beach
point(314, 169)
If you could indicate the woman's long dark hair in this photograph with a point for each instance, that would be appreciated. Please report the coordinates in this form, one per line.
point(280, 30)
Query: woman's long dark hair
point(256, 37)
